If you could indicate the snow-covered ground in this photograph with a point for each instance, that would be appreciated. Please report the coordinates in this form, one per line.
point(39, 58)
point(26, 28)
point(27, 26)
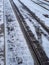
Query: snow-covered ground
point(42, 4)
point(44, 1)
point(1, 51)
point(1, 12)
point(1, 34)
point(17, 51)
point(32, 23)
point(39, 11)
point(26, 16)
point(45, 45)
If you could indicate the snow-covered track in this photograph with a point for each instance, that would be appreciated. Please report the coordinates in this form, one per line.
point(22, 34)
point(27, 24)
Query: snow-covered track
point(36, 18)
point(16, 49)
point(42, 19)
point(44, 3)
point(40, 3)
point(37, 48)
point(28, 17)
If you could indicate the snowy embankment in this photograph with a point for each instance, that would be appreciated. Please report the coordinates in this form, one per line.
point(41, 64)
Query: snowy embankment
point(17, 51)
point(39, 11)
point(1, 34)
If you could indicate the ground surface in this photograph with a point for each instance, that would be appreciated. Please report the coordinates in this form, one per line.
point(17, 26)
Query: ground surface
point(13, 45)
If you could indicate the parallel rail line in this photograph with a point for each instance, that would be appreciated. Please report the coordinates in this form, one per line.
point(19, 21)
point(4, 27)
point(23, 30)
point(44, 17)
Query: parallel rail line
point(41, 5)
point(36, 18)
point(37, 48)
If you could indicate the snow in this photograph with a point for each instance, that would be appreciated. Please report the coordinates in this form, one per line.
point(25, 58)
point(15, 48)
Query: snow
point(37, 10)
point(45, 45)
point(45, 5)
point(1, 41)
point(16, 48)
point(45, 1)
point(1, 34)
point(31, 22)
point(26, 17)
point(1, 12)
point(15, 44)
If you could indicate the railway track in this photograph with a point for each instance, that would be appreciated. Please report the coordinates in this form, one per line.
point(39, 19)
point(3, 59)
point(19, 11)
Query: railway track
point(16, 49)
point(42, 4)
point(35, 44)
point(26, 14)
point(28, 17)
point(46, 0)
point(36, 18)
point(13, 48)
